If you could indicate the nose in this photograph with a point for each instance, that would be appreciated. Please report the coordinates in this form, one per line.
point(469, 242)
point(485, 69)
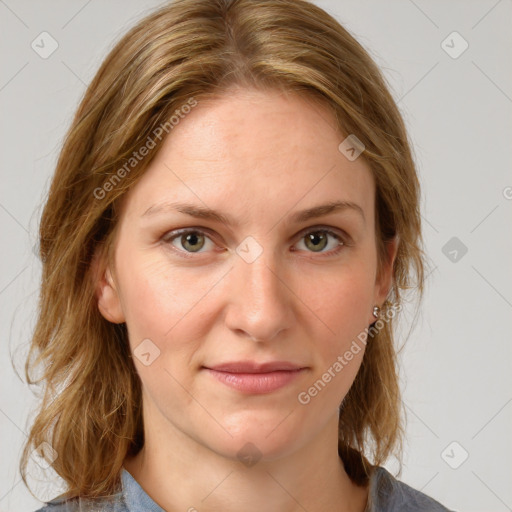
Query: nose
point(261, 299)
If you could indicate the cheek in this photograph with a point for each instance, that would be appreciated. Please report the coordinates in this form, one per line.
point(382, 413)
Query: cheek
point(159, 303)
point(164, 303)
point(343, 301)
point(154, 295)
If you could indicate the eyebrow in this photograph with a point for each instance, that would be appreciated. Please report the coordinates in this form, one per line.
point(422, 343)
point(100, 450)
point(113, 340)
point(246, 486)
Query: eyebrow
point(202, 212)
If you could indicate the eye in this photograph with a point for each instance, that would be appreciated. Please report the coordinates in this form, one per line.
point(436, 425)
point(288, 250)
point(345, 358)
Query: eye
point(316, 240)
point(191, 241)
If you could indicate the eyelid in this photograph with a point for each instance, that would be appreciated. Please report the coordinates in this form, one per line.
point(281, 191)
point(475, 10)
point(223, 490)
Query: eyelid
point(340, 233)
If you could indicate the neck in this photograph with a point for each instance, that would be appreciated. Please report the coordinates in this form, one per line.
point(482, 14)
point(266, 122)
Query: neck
point(179, 473)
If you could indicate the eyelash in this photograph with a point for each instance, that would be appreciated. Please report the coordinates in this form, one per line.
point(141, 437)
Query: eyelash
point(172, 235)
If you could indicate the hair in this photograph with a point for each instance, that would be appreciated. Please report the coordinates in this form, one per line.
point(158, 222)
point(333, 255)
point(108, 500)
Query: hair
point(91, 405)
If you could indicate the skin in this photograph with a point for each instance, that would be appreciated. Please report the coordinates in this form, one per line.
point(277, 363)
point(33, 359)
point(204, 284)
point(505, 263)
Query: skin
point(259, 157)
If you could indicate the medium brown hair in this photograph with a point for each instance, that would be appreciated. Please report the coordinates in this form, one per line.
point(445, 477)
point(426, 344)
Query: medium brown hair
point(91, 410)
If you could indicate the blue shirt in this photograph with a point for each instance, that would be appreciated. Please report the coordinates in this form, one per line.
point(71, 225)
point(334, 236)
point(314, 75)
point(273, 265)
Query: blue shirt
point(386, 494)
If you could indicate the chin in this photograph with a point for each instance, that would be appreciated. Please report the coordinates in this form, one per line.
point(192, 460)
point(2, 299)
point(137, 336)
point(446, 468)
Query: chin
point(252, 440)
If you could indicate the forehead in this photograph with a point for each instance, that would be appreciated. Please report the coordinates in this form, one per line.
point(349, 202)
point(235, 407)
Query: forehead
point(250, 150)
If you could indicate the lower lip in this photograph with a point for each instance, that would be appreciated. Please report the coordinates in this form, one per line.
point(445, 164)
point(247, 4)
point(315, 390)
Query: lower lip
point(255, 383)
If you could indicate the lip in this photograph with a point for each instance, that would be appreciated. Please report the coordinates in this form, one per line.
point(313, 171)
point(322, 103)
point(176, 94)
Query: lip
point(256, 378)
point(254, 367)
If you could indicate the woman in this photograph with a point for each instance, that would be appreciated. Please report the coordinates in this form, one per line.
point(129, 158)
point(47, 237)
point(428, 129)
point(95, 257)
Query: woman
point(233, 219)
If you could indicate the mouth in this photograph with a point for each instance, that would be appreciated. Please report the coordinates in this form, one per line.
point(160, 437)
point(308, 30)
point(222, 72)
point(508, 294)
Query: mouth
point(256, 378)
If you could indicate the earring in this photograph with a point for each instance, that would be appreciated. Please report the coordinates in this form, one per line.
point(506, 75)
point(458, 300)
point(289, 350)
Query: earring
point(376, 311)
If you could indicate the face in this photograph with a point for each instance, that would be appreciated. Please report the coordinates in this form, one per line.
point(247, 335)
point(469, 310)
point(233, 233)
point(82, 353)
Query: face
point(265, 283)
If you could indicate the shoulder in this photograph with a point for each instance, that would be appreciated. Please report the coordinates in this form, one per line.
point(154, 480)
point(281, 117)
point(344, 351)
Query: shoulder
point(387, 494)
point(117, 502)
point(61, 504)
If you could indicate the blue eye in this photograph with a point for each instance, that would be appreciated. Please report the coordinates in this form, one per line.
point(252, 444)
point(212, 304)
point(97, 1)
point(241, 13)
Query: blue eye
point(190, 241)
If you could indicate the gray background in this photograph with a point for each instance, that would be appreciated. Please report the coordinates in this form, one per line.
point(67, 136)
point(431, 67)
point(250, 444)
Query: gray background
point(456, 366)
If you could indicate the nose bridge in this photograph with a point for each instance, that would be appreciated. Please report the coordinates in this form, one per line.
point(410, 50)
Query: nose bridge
point(262, 280)
point(261, 304)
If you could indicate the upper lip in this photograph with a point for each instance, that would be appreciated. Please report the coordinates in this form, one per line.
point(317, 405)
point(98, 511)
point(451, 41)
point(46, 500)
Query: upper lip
point(254, 367)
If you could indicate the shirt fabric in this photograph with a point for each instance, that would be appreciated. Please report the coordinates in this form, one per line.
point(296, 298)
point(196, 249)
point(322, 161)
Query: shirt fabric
point(386, 494)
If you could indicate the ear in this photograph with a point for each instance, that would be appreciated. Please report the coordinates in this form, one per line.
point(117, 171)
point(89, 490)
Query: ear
point(106, 292)
point(384, 280)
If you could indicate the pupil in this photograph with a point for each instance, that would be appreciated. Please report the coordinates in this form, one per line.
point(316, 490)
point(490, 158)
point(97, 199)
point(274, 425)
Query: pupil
point(318, 241)
point(192, 240)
